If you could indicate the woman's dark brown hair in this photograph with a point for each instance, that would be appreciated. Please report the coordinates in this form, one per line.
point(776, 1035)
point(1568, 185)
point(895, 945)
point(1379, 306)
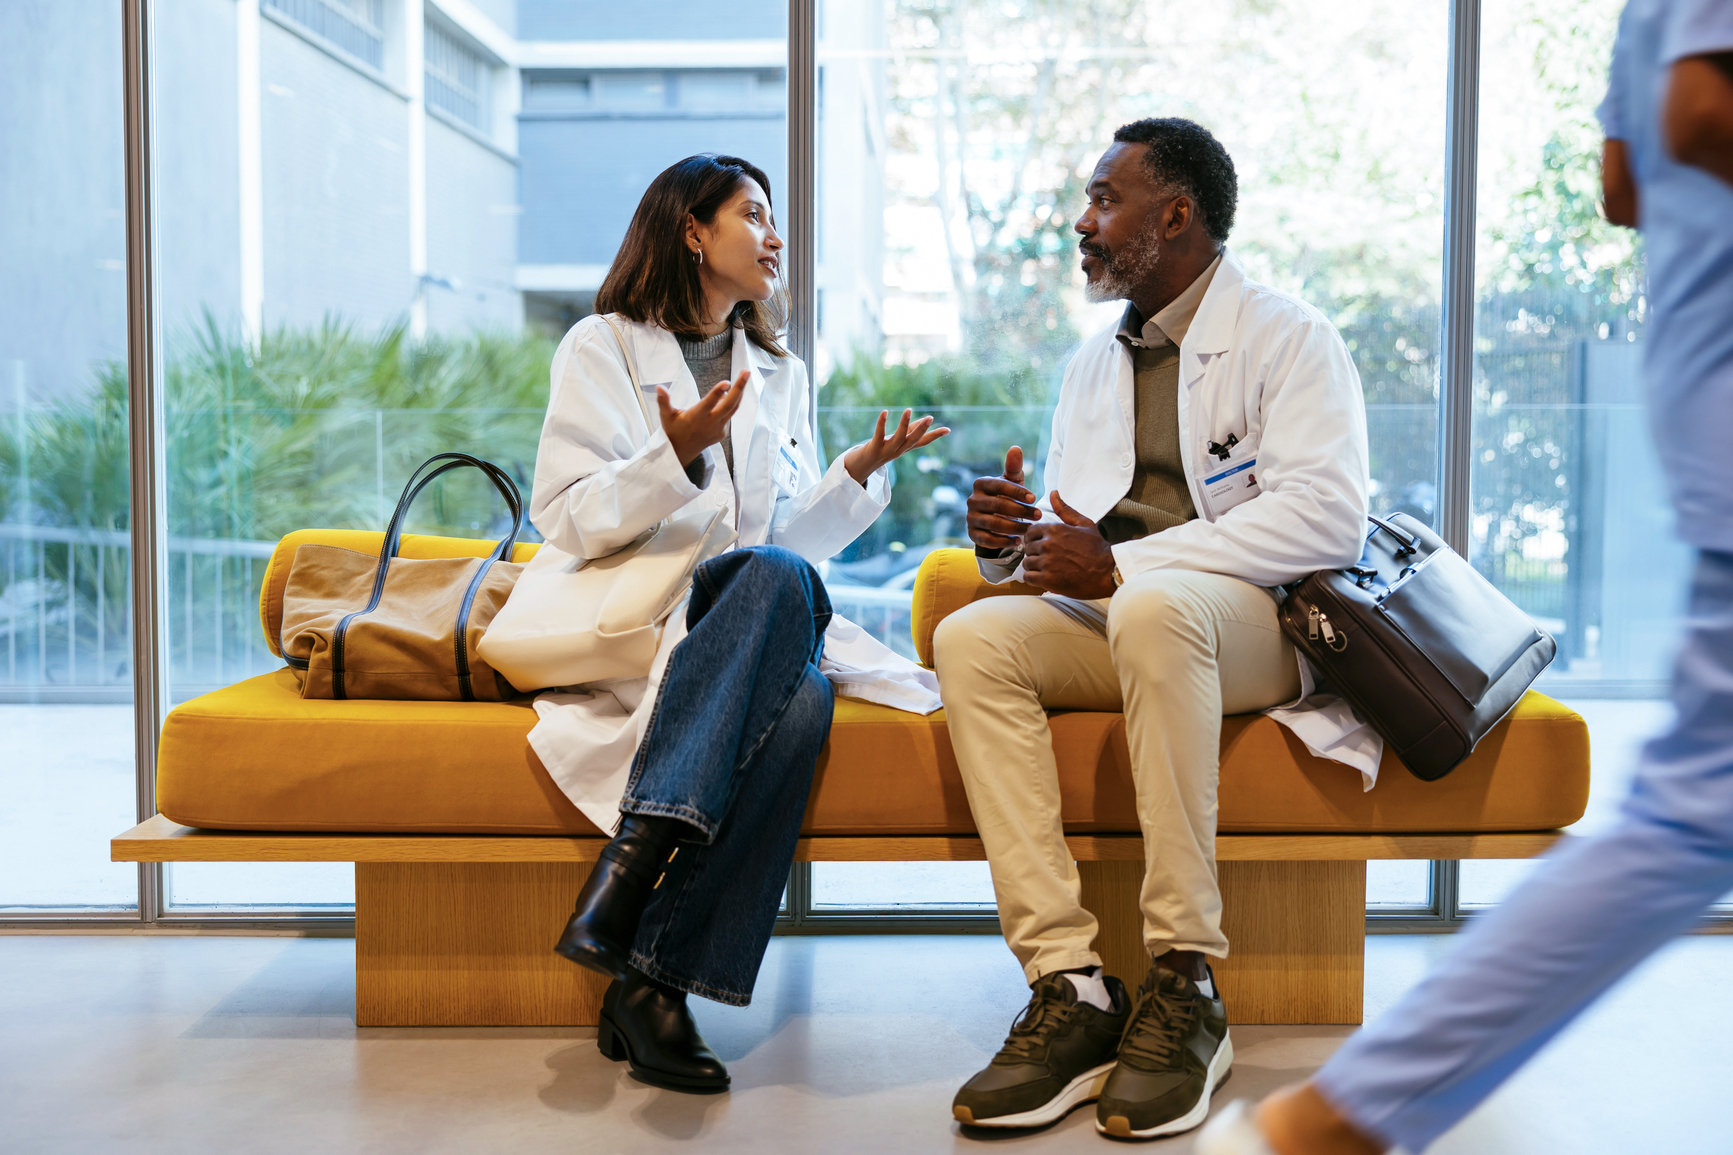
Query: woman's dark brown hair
point(654, 280)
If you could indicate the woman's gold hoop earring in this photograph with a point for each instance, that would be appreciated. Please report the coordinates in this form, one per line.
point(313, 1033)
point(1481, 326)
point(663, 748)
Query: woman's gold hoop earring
point(698, 257)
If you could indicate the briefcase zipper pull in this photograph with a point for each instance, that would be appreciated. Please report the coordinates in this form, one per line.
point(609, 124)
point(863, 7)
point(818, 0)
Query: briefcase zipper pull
point(1318, 622)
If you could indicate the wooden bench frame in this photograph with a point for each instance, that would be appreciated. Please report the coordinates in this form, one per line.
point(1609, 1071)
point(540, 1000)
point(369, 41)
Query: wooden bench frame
point(457, 930)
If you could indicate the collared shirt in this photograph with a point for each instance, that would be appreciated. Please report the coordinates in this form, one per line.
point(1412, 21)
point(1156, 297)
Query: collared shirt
point(1687, 223)
point(1159, 497)
point(1171, 321)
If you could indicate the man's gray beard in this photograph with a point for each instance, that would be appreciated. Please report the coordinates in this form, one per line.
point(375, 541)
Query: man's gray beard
point(1124, 271)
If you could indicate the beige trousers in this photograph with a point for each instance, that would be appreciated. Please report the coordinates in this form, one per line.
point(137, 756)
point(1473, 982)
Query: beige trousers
point(1173, 649)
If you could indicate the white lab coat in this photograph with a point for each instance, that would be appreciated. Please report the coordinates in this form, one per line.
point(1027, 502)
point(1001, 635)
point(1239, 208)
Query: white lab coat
point(602, 478)
point(1270, 370)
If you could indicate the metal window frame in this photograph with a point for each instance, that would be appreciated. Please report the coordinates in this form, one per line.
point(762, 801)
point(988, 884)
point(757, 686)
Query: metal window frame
point(801, 219)
point(1456, 364)
point(148, 547)
point(146, 435)
point(800, 917)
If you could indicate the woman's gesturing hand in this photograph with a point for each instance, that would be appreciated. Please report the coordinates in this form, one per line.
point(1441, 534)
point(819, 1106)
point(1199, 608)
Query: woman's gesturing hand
point(864, 459)
point(696, 428)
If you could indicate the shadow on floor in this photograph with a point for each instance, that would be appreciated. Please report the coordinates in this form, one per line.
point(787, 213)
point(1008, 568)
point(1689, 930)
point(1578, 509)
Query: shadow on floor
point(305, 991)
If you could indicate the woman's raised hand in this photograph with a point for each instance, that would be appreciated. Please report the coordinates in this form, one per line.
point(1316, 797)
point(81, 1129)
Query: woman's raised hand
point(696, 428)
point(879, 450)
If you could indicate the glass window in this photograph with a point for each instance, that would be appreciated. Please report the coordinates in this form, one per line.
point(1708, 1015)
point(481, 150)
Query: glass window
point(630, 91)
point(953, 148)
point(901, 887)
point(1570, 516)
point(349, 284)
point(458, 78)
point(66, 719)
point(341, 299)
point(709, 91)
point(1398, 885)
point(555, 91)
point(357, 27)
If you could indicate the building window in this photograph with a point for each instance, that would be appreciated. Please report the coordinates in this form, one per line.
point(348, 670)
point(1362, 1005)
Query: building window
point(457, 78)
point(355, 26)
point(671, 94)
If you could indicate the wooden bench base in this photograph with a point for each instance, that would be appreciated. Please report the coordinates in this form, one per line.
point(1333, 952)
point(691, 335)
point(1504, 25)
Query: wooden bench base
point(457, 930)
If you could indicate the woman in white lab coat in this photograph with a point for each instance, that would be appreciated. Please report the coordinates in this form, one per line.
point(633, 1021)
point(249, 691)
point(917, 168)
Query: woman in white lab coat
point(705, 766)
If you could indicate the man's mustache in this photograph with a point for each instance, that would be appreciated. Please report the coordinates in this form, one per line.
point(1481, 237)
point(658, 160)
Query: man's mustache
point(1098, 251)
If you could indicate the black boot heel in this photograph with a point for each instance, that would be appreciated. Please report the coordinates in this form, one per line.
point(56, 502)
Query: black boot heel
point(600, 932)
point(611, 1043)
point(649, 1026)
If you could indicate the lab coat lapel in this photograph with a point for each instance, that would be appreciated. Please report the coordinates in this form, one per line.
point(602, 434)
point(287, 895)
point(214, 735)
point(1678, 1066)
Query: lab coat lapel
point(1212, 330)
point(1125, 390)
point(751, 440)
point(1210, 336)
point(746, 418)
point(660, 363)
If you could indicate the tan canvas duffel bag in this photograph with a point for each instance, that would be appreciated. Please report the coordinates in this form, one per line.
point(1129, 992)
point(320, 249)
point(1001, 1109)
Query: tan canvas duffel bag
point(358, 626)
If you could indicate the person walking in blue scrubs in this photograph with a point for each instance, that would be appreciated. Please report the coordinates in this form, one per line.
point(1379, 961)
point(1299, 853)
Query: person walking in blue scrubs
point(1601, 906)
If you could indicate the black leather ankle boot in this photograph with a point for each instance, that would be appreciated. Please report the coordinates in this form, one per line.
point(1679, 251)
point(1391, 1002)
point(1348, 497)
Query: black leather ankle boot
point(601, 930)
point(648, 1025)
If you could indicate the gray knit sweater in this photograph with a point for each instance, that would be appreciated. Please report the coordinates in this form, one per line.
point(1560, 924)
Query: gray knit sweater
point(710, 361)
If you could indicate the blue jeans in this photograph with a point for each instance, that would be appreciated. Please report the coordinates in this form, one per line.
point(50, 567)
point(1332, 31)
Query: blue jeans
point(738, 725)
point(1592, 912)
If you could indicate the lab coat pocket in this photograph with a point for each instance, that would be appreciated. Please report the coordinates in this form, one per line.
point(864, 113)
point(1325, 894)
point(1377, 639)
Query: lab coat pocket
point(1228, 481)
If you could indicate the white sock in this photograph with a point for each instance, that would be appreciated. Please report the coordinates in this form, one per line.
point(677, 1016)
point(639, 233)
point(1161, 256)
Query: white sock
point(1091, 989)
point(1206, 986)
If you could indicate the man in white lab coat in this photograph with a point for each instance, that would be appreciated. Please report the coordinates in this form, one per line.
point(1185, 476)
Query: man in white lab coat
point(1208, 448)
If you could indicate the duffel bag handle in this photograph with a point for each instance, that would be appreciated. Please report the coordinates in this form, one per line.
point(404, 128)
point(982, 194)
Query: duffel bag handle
point(442, 463)
point(412, 489)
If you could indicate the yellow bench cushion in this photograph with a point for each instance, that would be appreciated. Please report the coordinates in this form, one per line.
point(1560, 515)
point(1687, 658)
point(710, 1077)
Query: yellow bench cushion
point(257, 756)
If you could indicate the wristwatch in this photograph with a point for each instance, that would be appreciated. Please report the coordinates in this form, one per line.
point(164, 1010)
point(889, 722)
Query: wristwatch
point(1118, 578)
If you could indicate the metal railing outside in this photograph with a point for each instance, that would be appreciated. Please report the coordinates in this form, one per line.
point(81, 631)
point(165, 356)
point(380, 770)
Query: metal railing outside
point(65, 613)
point(65, 617)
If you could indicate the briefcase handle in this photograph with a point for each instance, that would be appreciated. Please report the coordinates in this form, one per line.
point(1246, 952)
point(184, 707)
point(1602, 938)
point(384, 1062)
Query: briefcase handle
point(1409, 542)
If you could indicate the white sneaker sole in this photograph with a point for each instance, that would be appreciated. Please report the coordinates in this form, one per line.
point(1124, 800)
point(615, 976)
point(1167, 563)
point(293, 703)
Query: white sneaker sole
point(1232, 1132)
point(1119, 1126)
point(1083, 1089)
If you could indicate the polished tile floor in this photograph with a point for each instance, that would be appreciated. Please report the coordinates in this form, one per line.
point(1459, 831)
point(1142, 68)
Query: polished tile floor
point(187, 1045)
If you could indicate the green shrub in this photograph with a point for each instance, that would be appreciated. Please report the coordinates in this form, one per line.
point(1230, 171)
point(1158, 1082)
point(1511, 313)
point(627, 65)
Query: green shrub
point(315, 427)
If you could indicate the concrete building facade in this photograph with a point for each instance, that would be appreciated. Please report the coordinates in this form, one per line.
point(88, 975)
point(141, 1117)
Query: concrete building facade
point(306, 170)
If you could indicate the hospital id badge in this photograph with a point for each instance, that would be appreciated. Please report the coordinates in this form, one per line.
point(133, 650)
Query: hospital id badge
point(1235, 483)
point(785, 468)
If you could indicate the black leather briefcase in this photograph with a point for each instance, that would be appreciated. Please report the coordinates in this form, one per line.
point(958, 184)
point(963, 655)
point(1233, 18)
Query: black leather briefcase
point(1425, 648)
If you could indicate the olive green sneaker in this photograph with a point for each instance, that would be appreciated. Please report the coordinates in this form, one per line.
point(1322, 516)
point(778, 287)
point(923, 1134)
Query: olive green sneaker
point(1175, 1053)
point(1057, 1056)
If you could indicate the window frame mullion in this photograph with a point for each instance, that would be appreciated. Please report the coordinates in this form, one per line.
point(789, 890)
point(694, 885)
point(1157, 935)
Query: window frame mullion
point(146, 433)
